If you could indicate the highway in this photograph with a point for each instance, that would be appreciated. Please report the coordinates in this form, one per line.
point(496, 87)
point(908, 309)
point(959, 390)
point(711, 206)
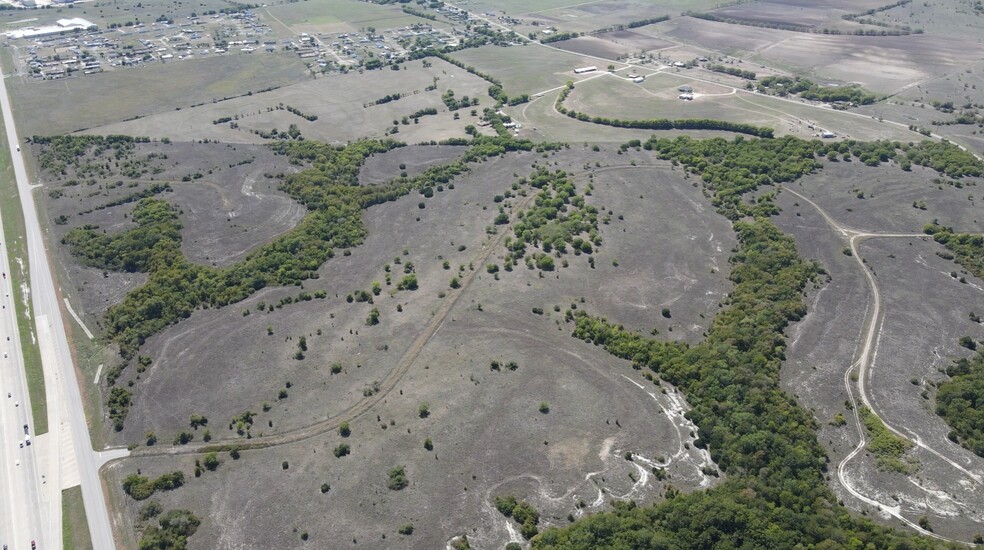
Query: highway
point(67, 455)
point(24, 507)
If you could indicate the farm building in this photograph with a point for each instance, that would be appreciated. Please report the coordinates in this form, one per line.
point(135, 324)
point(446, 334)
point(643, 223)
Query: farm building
point(60, 26)
point(582, 70)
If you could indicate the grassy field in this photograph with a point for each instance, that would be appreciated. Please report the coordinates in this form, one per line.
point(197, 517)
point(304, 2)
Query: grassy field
point(527, 69)
point(337, 15)
point(657, 98)
point(344, 104)
point(106, 12)
point(520, 8)
point(63, 106)
point(75, 529)
point(14, 240)
point(595, 414)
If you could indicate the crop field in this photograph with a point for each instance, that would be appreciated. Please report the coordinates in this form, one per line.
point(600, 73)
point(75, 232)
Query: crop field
point(64, 106)
point(345, 107)
point(107, 12)
point(594, 46)
point(796, 12)
point(955, 18)
point(880, 63)
point(590, 16)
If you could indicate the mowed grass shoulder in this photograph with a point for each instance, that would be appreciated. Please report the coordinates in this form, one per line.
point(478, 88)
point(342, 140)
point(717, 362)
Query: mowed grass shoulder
point(64, 106)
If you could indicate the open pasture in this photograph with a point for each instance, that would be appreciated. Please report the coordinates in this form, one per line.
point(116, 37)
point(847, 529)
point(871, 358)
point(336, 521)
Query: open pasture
point(70, 105)
point(528, 69)
point(564, 418)
point(344, 104)
point(657, 97)
point(316, 16)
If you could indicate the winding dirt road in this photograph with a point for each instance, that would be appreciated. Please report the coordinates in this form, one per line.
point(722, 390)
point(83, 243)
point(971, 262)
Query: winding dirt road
point(872, 332)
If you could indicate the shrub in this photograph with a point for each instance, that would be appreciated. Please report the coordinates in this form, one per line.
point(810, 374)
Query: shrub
point(397, 478)
point(341, 450)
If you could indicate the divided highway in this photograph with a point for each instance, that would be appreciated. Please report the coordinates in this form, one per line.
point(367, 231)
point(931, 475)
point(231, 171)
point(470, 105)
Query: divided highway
point(31, 506)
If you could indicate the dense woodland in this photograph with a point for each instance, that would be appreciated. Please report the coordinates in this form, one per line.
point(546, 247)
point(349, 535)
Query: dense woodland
point(783, 86)
point(960, 401)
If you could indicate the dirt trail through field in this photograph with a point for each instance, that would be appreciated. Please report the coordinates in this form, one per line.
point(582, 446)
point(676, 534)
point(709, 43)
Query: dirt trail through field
point(387, 385)
point(872, 332)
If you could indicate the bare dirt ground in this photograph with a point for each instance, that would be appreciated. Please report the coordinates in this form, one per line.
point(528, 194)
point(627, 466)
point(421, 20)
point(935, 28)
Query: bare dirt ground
point(599, 408)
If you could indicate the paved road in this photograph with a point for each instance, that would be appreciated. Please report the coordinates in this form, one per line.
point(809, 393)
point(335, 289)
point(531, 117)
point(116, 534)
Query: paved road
point(65, 402)
point(24, 506)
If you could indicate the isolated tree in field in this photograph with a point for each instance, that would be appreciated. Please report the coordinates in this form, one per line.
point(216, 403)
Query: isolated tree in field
point(197, 420)
point(344, 430)
point(211, 461)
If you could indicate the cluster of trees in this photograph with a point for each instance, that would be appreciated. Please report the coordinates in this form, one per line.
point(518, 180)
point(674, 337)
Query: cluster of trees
point(419, 13)
point(454, 103)
point(387, 98)
point(631, 24)
point(733, 71)
point(887, 448)
point(558, 217)
point(872, 11)
point(960, 401)
point(559, 37)
point(426, 111)
point(141, 487)
point(59, 152)
point(296, 111)
point(496, 93)
point(967, 250)
point(732, 168)
point(675, 124)
point(171, 532)
point(523, 512)
point(807, 89)
point(794, 27)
